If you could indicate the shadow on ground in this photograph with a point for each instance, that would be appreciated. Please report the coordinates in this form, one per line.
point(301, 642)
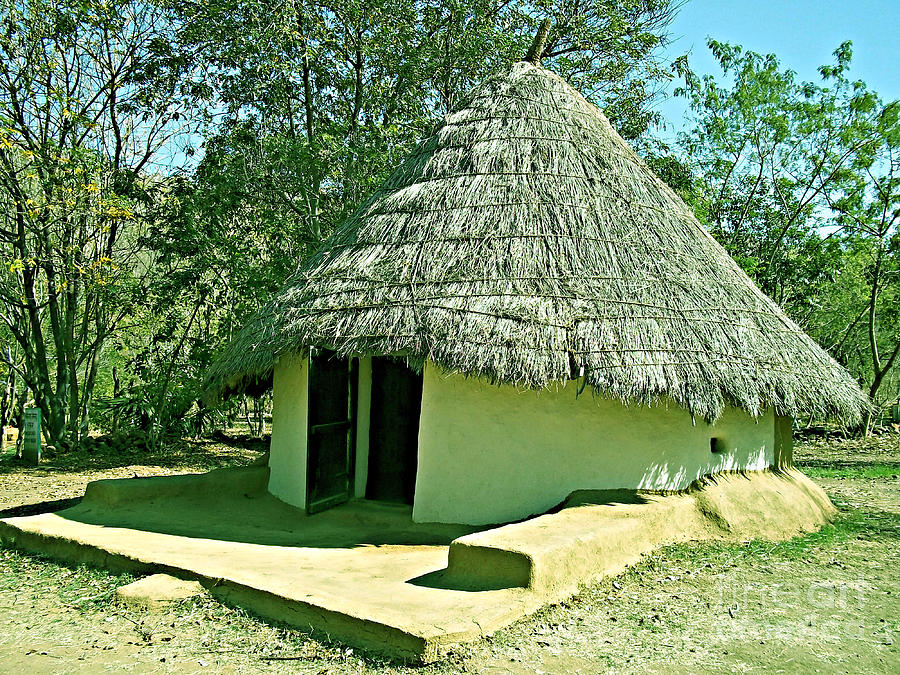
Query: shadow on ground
point(40, 507)
point(232, 505)
point(188, 454)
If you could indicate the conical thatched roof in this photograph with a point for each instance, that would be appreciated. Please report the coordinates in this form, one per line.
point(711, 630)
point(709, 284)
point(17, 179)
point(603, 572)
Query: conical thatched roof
point(525, 241)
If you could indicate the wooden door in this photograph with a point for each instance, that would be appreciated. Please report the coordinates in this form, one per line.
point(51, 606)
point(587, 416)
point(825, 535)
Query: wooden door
point(330, 439)
point(393, 432)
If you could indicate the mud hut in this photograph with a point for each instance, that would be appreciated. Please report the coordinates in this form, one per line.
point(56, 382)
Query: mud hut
point(523, 309)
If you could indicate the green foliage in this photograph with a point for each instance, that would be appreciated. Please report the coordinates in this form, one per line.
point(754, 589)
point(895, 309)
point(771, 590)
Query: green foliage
point(679, 176)
point(121, 273)
point(802, 185)
point(89, 96)
point(310, 106)
point(313, 103)
point(134, 408)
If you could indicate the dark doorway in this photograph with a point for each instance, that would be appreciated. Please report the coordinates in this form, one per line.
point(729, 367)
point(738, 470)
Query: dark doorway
point(393, 431)
point(330, 440)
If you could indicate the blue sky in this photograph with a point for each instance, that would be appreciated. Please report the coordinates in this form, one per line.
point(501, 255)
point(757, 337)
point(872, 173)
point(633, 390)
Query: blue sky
point(802, 33)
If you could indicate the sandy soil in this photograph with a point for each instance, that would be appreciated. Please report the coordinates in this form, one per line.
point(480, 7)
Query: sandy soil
point(828, 602)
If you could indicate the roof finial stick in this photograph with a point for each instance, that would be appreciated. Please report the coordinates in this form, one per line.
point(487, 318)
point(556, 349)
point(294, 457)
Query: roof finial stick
point(537, 47)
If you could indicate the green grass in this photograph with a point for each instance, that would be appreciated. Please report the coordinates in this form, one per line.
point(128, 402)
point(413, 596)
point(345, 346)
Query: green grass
point(850, 525)
point(888, 470)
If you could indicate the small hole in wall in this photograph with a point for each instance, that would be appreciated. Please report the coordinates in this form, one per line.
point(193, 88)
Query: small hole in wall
point(716, 445)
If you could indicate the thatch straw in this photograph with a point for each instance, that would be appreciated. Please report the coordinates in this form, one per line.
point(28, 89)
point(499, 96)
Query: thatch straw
point(526, 242)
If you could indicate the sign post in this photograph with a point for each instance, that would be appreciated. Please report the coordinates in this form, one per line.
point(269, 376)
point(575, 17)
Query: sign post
point(31, 447)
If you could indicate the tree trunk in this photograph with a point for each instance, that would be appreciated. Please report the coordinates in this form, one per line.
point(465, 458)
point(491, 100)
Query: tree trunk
point(260, 417)
point(117, 389)
point(7, 398)
point(309, 113)
point(877, 381)
point(200, 421)
point(879, 370)
point(19, 421)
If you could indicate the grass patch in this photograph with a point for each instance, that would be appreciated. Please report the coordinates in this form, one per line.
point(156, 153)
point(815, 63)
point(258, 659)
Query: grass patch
point(850, 525)
point(81, 586)
point(889, 470)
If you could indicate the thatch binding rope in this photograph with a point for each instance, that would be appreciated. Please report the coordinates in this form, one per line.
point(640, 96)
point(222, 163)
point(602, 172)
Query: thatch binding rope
point(525, 242)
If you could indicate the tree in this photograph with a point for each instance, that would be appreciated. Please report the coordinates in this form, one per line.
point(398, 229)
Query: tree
point(120, 274)
point(867, 212)
point(770, 150)
point(316, 100)
point(8, 393)
point(312, 104)
point(801, 185)
point(215, 263)
point(90, 95)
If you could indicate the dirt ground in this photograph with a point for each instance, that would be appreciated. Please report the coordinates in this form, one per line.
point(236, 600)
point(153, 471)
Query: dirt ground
point(827, 602)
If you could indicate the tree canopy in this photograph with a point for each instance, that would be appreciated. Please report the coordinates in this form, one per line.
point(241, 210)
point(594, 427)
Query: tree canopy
point(165, 165)
point(799, 181)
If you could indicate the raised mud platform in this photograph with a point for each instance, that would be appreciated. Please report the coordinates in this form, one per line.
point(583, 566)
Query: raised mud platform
point(365, 574)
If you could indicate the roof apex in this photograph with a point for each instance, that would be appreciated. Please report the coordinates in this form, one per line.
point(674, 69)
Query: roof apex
point(536, 51)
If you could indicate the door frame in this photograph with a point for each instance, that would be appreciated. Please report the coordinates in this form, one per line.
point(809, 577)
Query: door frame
point(352, 397)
